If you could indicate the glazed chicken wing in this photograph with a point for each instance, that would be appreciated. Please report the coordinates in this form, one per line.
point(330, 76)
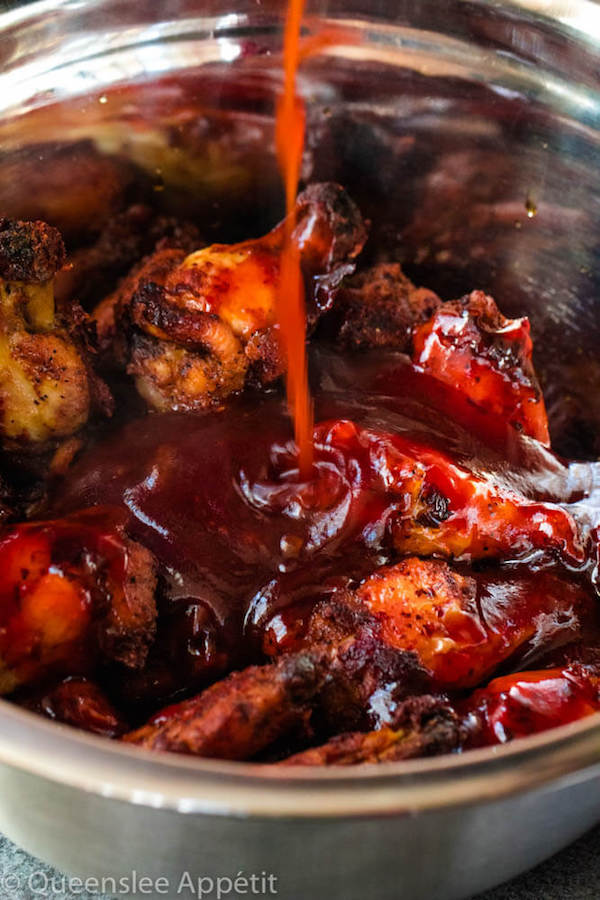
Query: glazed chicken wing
point(72, 592)
point(436, 506)
point(201, 325)
point(78, 702)
point(463, 627)
point(528, 702)
point(482, 358)
point(369, 662)
point(420, 626)
point(469, 345)
point(44, 382)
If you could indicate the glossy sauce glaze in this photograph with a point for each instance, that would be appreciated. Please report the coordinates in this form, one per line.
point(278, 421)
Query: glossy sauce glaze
point(246, 545)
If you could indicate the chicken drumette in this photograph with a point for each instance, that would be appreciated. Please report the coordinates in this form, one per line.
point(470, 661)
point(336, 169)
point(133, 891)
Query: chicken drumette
point(482, 360)
point(202, 325)
point(45, 390)
point(73, 593)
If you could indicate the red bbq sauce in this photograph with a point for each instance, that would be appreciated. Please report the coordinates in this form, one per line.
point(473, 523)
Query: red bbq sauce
point(290, 127)
point(247, 545)
point(518, 705)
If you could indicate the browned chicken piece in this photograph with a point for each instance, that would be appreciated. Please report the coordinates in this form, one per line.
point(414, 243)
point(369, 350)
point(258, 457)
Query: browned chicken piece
point(111, 314)
point(380, 307)
point(170, 376)
point(471, 347)
point(44, 383)
point(463, 627)
point(424, 726)
point(241, 715)
point(368, 677)
point(78, 702)
point(73, 592)
point(483, 360)
point(346, 676)
point(444, 508)
point(419, 623)
point(202, 325)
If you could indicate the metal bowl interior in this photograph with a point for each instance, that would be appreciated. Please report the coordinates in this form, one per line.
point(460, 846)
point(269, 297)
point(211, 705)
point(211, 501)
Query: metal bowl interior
point(469, 133)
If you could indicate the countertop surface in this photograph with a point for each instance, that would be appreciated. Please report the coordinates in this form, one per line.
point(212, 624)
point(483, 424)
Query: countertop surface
point(574, 874)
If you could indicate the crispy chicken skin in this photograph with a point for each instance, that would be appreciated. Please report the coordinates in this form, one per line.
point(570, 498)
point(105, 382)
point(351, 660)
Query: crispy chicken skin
point(426, 607)
point(448, 620)
point(467, 344)
point(201, 325)
point(381, 307)
point(72, 592)
point(343, 664)
point(367, 676)
point(239, 716)
point(44, 382)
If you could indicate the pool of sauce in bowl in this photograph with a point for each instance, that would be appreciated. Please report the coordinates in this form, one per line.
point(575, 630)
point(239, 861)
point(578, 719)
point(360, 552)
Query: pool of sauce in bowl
point(246, 544)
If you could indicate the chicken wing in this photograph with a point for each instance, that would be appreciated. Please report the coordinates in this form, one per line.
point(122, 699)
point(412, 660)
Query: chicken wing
point(435, 506)
point(381, 307)
point(202, 325)
point(463, 627)
point(482, 357)
point(469, 345)
point(370, 661)
point(125, 239)
point(420, 626)
point(44, 383)
point(73, 591)
point(528, 702)
point(239, 716)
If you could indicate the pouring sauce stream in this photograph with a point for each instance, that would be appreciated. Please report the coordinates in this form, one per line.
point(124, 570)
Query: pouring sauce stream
point(290, 129)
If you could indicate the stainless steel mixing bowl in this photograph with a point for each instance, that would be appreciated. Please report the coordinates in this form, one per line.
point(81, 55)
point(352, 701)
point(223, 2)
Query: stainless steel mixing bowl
point(469, 133)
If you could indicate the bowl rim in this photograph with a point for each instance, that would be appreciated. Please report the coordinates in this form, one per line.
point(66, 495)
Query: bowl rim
point(575, 14)
point(60, 754)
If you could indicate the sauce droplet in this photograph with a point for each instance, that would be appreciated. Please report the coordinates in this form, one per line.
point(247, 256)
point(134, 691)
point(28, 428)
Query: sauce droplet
point(531, 208)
